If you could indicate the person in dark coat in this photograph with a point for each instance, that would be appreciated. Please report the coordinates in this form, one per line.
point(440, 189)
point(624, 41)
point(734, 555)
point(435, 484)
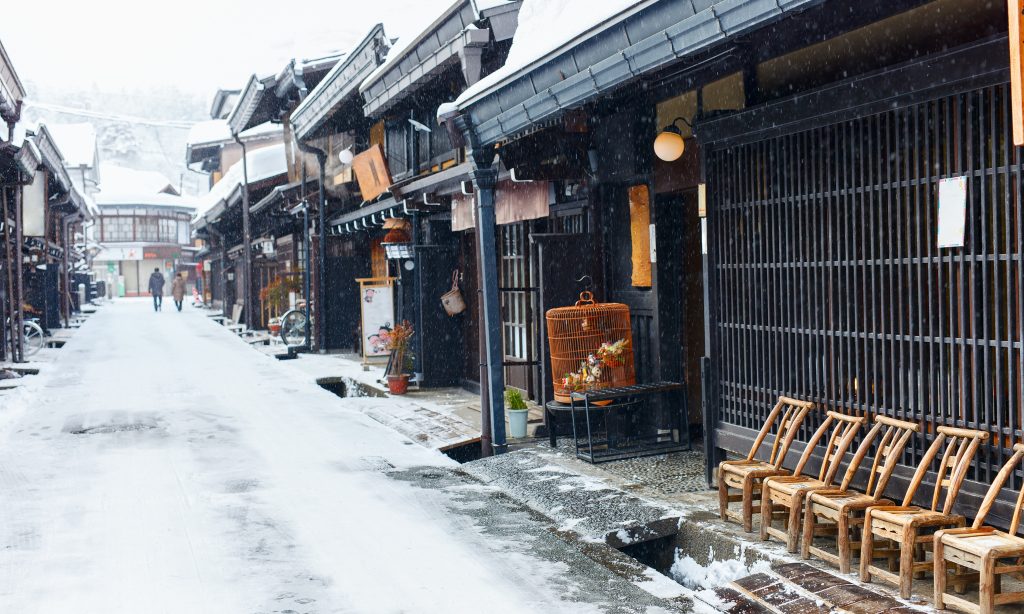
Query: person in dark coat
point(156, 288)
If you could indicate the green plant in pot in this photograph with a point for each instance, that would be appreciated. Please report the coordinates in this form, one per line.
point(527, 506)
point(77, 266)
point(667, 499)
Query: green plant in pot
point(517, 412)
point(397, 342)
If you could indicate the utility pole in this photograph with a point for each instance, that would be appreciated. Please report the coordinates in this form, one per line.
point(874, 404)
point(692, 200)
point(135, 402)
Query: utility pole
point(247, 307)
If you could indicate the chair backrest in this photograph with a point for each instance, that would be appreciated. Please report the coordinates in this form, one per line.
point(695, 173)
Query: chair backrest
point(960, 446)
point(997, 485)
point(787, 416)
point(843, 429)
point(895, 435)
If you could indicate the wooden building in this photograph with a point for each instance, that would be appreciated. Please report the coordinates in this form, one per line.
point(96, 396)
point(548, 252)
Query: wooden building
point(808, 193)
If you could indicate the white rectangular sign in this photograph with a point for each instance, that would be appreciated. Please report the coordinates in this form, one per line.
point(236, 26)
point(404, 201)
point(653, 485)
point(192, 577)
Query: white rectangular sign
point(952, 212)
point(33, 206)
point(378, 305)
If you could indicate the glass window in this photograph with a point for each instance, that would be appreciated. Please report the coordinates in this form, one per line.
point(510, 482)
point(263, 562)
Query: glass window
point(168, 231)
point(148, 229)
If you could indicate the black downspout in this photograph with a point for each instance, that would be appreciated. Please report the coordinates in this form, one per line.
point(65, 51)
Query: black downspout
point(247, 305)
point(305, 269)
point(485, 179)
point(321, 253)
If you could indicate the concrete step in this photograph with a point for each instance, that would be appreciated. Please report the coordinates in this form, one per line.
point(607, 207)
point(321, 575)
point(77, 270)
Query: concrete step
point(798, 588)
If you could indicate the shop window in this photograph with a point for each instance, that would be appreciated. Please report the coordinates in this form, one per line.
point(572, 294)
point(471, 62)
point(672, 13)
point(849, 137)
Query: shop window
point(517, 292)
point(397, 149)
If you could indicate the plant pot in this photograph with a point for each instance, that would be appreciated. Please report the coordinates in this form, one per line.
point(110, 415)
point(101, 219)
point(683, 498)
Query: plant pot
point(398, 384)
point(275, 329)
point(517, 422)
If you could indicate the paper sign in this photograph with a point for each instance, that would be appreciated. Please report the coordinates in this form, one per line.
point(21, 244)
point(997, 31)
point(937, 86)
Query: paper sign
point(952, 211)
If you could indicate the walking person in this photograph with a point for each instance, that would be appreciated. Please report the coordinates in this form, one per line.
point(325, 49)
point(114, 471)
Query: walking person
point(178, 290)
point(156, 288)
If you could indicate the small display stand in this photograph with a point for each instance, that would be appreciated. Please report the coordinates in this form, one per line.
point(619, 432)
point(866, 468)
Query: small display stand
point(596, 427)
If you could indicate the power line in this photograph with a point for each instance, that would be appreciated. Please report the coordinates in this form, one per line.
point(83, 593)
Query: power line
point(181, 125)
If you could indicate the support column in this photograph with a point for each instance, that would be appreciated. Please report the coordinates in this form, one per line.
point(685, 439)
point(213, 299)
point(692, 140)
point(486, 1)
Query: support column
point(247, 306)
point(485, 178)
point(18, 313)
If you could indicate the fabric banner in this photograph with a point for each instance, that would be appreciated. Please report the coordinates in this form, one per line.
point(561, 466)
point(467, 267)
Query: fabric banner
point(513, 202)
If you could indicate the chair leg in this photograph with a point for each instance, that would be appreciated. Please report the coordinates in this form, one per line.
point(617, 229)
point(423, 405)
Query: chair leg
point(767, 509)
point(907, 549)
point(939, 574)
point(843, 543)
point(723, 495)
point(867, 547)
point(809, 524)
point(986, 586)
point(793, 527)
point(748, 503)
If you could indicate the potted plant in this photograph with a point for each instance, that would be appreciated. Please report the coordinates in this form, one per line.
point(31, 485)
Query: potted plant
point(275, 326)
point(275, 295)
point(397, 342)
point(517, 412)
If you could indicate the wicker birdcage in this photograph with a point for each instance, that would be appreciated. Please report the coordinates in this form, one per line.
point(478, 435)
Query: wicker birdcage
point(576, 335)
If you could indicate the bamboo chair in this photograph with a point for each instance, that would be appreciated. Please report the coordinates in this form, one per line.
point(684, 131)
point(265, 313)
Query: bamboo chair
point(906, 524)
point(844, 507)
point(747, 474)
point(989, 552)
point(790, 491)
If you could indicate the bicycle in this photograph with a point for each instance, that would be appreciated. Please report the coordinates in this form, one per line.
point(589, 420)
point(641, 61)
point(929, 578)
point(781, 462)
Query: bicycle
point(294, 328)
point(32, 335)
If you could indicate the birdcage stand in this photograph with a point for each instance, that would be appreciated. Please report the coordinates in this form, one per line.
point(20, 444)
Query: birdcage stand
point(614, 446)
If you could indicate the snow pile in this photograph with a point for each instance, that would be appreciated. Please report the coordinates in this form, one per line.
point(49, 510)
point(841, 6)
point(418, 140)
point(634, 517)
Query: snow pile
point(546, 26)
point(691, 574)
point(660, 586)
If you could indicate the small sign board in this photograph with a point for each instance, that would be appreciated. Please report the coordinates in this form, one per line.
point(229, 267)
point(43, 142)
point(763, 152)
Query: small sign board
point(372, 173)
point(952, 212)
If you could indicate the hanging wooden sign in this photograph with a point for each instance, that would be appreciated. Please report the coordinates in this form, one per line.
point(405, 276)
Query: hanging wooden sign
point(372, 173)
point(1016, 14)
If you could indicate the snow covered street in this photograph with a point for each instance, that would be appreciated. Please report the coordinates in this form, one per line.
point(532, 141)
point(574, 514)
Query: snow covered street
point(161, 465)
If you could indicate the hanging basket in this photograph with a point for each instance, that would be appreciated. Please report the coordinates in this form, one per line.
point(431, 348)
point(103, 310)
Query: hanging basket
point(575, 337)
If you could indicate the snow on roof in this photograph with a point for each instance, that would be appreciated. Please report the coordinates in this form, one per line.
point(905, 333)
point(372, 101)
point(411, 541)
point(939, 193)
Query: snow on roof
point(77, 143)
point(161, 200)
point(214, 131)
point(408, 29)
point(546, 26)
point(486, 5)
point(264, 163)
point(116, 179)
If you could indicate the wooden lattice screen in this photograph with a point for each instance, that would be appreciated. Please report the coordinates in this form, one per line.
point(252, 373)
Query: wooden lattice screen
point(828, 284)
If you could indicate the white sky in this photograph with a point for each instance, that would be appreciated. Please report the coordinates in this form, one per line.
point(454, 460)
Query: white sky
point(197, 45)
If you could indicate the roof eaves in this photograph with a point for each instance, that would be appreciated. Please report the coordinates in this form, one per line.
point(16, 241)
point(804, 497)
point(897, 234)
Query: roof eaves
point(250, 98)
point(342, 81)
point(530, 95)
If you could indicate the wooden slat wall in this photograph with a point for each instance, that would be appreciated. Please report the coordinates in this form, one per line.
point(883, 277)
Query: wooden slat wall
point(829, 285)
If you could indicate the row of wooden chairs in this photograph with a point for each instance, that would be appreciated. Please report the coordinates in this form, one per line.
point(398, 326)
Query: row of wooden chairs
point(809, 506)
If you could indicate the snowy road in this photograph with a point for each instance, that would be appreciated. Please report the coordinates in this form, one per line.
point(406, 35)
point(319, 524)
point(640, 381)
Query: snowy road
point(161, 465)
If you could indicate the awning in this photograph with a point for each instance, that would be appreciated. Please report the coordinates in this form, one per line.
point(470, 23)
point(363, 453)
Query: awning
point(340, 84)
point(280, 194)
point(51, 157)
point(638, 41)
point(444, 181)
point(436, 48)
point(368, 216)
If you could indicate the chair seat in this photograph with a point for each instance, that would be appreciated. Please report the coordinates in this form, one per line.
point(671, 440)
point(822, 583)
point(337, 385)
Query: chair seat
point(753, 468)
point(842, 499)
point(981, 542)
point(911, 515)
point(791, 485)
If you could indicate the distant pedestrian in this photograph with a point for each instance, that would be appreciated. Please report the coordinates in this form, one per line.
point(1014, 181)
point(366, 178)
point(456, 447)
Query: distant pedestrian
point(156, 288)
point(178, 290)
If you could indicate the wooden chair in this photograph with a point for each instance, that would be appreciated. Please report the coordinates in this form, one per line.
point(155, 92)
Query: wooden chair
point(747, 474)
point(990, 553)
point(907, 524)
point(790, 491)
point(843, 508)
